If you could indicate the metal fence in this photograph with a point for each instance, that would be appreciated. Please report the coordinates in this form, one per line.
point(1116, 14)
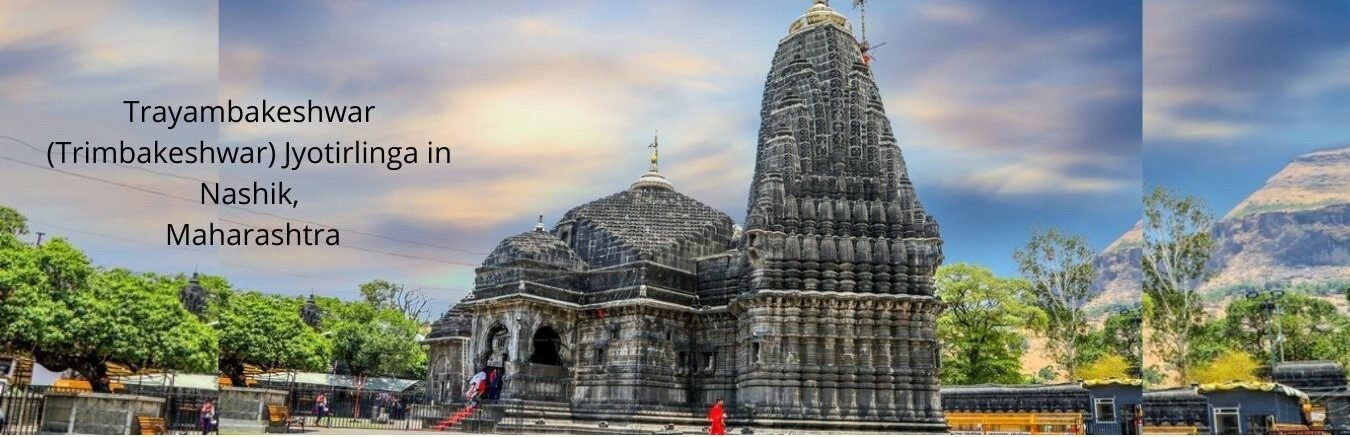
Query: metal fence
point(21, 409)
point(182, 406)
point(352, 408)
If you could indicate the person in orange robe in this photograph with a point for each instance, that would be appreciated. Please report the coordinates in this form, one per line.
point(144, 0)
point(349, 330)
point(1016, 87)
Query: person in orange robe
point(718, 417)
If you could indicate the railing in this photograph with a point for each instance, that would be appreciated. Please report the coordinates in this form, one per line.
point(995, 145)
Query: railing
point(182, 406)
point(365, 409)
point(21, 409)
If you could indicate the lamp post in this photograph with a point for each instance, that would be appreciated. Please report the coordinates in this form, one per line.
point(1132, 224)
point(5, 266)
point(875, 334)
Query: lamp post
point(1274, 330)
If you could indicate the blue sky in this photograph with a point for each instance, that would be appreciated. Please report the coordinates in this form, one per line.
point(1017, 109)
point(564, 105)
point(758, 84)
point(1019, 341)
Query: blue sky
point(1235, 89)
point(1010, 114)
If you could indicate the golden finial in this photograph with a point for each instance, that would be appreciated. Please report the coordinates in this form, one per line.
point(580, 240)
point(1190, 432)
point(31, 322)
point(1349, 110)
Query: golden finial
point(656, 153)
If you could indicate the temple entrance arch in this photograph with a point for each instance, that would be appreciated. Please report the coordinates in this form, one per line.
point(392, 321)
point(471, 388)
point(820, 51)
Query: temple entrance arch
point(546, 347)
point(497, 350)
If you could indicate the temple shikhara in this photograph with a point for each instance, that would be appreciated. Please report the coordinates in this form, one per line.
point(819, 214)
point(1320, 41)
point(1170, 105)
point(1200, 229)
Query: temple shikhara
point(645, 306)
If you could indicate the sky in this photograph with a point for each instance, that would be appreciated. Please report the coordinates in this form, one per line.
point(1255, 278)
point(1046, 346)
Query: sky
point(1011, 115)
point(1234, 90)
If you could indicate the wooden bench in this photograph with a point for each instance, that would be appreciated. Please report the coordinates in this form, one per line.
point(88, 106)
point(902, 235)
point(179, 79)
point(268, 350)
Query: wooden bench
point(80, 385)
point(278, 417)
point(152, 425)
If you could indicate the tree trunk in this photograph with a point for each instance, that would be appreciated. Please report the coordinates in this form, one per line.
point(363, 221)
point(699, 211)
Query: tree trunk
point(97, 374)
point(234, 370)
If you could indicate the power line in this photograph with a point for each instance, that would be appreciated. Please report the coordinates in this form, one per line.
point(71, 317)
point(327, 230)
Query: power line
point(166, 174)
point(368, 234)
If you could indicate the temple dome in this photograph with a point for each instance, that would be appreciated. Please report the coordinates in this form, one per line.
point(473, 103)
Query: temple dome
point(537, 246)
point(820, 13)
point(650, 221)
point(652, 180)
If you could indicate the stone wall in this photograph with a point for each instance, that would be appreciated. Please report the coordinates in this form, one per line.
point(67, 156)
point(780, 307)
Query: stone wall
point(865, 361)
point(245, 409)
point(96, 413)
point(448, 368)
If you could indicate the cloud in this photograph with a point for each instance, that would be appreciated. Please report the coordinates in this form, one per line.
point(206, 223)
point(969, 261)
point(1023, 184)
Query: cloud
point(1223, 71)
point(1038, 176)
point(1018, 93)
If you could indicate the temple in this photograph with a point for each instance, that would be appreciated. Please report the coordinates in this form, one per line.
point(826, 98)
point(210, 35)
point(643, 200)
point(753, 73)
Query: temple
point(643, 307)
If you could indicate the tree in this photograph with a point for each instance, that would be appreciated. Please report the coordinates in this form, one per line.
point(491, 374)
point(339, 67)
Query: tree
point(1109, 366)
point(1310, 326)
point(1232, 365)
point(266, 330)
point(70, 316)
point(1059, 268)
point(412, 302)
point(12, 222)
point(980, 328)
point(57, 307)
point(1177, 247)
point(385, 344)
point(36, 287)
point(1120, 336)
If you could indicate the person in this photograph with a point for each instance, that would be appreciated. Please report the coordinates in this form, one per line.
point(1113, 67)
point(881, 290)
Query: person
point(718, 416)
point(208, 414)
point(477, 385)
point(320, 408)
point(492, 387)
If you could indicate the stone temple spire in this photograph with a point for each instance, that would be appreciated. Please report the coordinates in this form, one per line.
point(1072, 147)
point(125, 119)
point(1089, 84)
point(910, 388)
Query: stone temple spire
point(834, 229)
point(653, 180)
point(193, 296)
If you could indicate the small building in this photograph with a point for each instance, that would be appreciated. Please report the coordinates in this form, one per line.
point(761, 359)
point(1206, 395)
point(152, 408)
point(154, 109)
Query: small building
point(1254, 407)
point(1177, 410)
point(1117, 405)
point(1104, 406)
point(1325, 384)
point(1023, 408)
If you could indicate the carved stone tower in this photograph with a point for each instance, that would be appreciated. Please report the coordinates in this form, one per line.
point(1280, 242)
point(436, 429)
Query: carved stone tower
point(193, 296)
point(838, 318)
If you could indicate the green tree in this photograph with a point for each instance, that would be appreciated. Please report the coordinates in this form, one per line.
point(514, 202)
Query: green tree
point(12, 222)
point(68, 315)
point(1059, 268)
point(266, 330)
point(37, 288)
point(412, 302)
point(1177, 246)
point(1118, 336)
point(981, 327)
point(1311, 328)
point(385, 344)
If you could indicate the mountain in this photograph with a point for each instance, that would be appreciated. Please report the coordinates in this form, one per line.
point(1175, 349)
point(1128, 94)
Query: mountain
point(1294, 230)
point(1120, 274)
